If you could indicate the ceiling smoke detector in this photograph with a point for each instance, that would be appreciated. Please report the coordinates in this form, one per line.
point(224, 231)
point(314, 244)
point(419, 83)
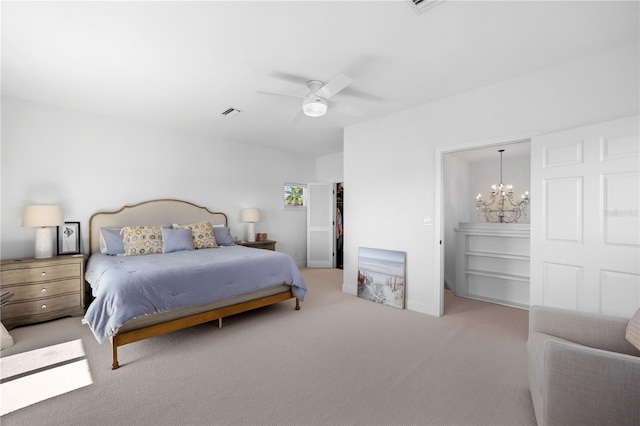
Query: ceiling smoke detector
point(421, 6)
point(230, 112)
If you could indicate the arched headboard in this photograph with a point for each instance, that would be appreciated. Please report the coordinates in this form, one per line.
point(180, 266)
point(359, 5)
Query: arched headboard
point(153, 213)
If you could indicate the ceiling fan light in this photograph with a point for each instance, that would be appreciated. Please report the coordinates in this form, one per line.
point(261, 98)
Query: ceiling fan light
point(314, 107)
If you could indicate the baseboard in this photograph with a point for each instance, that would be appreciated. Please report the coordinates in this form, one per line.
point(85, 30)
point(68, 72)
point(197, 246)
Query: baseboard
point(350, 288)
point(411, 306)
point(422, 308)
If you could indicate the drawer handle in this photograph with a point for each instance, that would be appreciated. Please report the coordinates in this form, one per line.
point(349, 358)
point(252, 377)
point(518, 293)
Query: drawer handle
point(43, 274)
point(44, 290)
point(44, 306)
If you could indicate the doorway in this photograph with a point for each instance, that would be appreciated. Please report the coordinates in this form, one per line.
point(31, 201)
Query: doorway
point(465, 173)
point(325, 225)
point(339, 225)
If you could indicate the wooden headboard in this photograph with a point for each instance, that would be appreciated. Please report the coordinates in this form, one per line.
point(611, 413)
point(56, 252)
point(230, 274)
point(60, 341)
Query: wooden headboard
point(152, 212)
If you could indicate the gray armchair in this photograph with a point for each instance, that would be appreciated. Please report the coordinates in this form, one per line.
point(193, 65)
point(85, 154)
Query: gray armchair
point(582, 370)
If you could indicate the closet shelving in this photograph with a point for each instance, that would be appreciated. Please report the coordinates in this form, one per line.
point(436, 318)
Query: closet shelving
point(492, 263)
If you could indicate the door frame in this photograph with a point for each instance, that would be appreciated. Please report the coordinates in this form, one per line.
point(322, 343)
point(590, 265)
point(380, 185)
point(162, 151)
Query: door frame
point(439, 203)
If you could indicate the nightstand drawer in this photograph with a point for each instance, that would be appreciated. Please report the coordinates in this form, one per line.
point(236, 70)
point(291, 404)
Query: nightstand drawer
point(42, 306)
point(38, 291)
point(39, 274)
point(264, 244)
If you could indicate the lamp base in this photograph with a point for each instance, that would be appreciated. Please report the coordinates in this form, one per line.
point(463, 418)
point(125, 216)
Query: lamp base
point(251, 232)
point(44, 243)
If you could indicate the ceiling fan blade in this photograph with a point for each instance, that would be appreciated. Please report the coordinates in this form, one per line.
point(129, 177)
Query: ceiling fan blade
point(296, 117)
point(291, 78)
point(357, 94)
point(286, 95)
point(334, 86)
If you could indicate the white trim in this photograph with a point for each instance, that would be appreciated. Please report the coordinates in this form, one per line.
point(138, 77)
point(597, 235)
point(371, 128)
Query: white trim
point(350, 288)
point(438, 223)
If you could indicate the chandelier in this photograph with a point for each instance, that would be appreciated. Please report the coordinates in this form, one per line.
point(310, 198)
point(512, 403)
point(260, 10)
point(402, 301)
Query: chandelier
point(501, 207)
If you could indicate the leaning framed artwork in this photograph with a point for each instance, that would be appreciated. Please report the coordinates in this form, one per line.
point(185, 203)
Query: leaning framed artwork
point(69, 238)
point(381, 276)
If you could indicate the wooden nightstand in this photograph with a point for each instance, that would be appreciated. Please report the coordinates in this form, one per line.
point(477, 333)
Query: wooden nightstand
point(43, 289)
point(266, 244)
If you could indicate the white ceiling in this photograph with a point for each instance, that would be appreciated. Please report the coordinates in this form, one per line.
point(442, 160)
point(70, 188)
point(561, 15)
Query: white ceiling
point(180, 64)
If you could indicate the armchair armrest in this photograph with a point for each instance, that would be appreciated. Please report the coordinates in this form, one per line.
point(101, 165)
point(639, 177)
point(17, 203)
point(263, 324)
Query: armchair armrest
point(583, 385)
point(593, 330)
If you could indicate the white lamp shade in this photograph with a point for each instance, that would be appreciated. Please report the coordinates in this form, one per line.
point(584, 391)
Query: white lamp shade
point(251, 215)
point(314, 107)
point(42, 217)
point(37, 216)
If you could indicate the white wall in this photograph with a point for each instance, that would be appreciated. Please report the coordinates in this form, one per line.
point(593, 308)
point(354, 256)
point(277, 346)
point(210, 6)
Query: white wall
point(390, 162)
point(330, 168)
point(482, 174)
point(87, 163)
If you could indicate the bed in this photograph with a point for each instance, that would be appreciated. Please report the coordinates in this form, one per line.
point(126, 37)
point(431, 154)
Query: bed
point(146, 291)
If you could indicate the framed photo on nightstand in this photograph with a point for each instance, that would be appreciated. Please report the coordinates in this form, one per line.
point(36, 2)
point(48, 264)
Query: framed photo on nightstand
point(69, 238)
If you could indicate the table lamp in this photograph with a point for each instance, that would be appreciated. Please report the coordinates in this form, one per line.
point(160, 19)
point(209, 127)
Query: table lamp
point(251, 216)
point(42, 217)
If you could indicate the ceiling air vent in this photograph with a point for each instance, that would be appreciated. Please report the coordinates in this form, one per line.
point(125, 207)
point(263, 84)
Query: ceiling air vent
point(421, 6)
point(231, 112)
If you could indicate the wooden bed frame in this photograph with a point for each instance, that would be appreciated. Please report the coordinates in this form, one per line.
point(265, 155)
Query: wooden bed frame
point(165, 212)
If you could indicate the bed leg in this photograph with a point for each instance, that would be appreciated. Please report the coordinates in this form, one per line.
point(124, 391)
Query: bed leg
point(219, 322)
point(297, 304)
point(114, 351)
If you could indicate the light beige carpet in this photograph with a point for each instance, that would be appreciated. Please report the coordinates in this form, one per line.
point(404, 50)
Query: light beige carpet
point(340, 360)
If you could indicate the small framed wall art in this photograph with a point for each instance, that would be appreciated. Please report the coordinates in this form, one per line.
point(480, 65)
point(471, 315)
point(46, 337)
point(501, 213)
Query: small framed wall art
point(381, 276)
point(69, 238)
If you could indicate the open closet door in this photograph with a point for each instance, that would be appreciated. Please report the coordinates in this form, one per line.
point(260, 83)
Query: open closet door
point(585, 224)
point(320, 233)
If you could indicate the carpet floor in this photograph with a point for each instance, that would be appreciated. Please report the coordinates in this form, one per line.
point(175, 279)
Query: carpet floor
point(340, 360)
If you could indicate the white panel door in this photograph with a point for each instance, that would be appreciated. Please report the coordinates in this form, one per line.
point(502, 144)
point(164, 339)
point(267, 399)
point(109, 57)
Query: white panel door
point(585, 221)
point(320, 229)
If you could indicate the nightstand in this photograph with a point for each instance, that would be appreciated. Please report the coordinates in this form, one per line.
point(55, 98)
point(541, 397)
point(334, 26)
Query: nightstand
point(266, 244)
point(43, 289)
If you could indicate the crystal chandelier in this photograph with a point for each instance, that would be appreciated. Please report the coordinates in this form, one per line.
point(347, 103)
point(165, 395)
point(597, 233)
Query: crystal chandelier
point(501, 207)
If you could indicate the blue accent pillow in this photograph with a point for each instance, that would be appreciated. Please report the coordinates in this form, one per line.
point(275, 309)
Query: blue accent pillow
point(176, 240)
point(111, 241)
point(223, 236)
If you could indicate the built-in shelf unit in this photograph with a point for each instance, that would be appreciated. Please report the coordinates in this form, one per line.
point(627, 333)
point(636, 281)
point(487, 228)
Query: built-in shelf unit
point(492, 262)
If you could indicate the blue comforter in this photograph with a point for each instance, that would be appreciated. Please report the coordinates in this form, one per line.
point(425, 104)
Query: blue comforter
point(127, 287)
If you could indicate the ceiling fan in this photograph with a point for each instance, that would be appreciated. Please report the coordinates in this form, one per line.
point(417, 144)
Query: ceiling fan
point(314, 103)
